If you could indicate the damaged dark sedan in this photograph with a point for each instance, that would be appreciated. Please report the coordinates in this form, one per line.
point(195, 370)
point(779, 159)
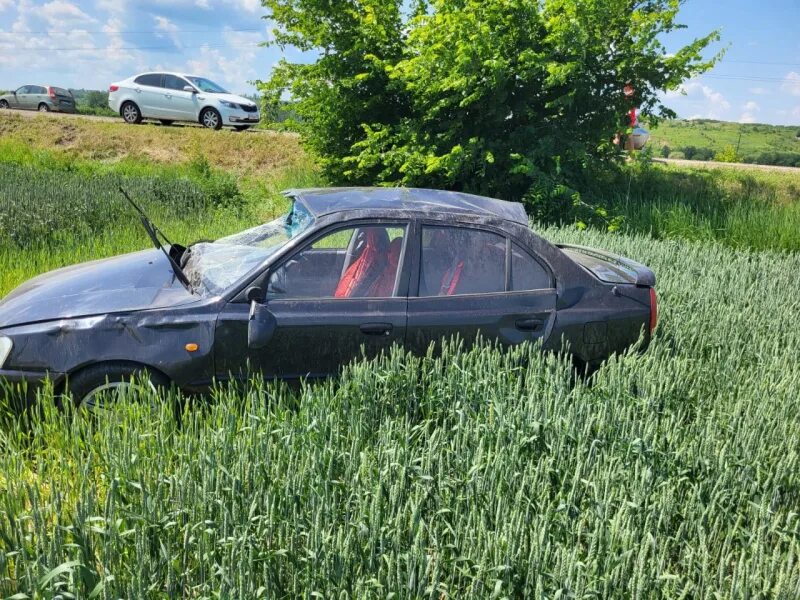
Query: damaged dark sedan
point(348, 271)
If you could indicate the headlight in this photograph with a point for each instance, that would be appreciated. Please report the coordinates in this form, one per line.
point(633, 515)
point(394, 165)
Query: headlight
point(5, 349)
point(229, 104)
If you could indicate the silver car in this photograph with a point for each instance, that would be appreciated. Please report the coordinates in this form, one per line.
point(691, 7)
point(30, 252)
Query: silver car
point(39, 97)
point(170, 97)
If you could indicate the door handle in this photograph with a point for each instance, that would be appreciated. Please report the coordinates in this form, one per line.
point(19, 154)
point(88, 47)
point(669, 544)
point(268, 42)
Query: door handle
point(138, 90)
point(376, 328)
point(167, 95)
point(531, 324)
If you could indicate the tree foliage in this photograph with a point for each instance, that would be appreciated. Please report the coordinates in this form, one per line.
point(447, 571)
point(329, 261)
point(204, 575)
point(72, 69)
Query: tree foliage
point(502, 97)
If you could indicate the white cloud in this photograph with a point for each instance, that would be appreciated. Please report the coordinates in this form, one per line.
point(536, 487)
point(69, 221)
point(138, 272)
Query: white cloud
point(758, 91)
point(711, 103)
point(751, 106)
point(166, 28)
point(4, 4)
point(202, 4)
point(791, 83)
point(796, 112)
point(59, 14)
point(247, 5)
point(747, 117)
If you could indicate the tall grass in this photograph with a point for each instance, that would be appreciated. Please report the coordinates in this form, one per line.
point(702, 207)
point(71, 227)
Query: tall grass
point(674, 474)
point(742, 209)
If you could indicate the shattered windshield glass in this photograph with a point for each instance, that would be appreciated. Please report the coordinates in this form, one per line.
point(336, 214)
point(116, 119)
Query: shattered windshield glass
point(213, 267)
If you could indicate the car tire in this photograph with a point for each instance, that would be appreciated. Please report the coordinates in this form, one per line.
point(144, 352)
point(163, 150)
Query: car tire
point(43, 107)
point(211, 119)
point(242, 127)
point(3, 104)
point(86, 385)
point(130, 113)
point(166, 122)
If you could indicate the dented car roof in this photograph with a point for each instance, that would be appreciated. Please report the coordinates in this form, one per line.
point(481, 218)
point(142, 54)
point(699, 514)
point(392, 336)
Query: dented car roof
point(323, 201)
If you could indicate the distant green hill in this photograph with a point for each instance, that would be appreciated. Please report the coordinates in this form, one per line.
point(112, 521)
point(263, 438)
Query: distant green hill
point(703, 138)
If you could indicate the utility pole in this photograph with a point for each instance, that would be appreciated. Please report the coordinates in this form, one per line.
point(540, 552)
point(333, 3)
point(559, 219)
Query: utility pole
point(739, 142)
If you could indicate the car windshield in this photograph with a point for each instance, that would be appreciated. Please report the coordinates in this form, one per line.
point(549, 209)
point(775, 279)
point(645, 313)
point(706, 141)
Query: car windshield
point(206, 85)
point(214, 266)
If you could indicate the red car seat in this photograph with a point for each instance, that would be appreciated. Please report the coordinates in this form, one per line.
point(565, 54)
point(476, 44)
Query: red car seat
point(384, 284)
point(364, 270)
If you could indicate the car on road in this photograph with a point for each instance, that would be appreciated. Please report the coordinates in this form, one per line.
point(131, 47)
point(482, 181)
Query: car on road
point(170, 97)
point(347, 271)
point(44, 98)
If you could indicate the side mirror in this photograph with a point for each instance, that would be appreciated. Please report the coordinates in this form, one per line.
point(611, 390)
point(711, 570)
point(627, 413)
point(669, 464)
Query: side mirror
point(188, 88)
point(261, 323)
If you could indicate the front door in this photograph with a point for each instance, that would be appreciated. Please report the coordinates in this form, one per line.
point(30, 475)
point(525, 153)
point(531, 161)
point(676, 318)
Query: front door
point(20, 98)
point(179, 104)
point(341, 296)
point(478, 283)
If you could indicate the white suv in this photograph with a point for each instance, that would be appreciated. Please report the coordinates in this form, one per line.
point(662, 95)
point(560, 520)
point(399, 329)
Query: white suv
point(170, 97)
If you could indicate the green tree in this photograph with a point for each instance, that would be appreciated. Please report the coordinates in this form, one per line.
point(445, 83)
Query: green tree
point(727, 154)
point(492, 96)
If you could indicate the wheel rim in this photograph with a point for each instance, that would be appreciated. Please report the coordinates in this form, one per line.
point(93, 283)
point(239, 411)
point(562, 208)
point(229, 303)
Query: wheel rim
point(43, 108)
point(94, 401)
point(210, 119)
point(130, 113)
point(3, 104)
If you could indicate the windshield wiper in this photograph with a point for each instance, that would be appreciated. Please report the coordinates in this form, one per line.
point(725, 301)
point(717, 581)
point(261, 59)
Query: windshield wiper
point(153, 233)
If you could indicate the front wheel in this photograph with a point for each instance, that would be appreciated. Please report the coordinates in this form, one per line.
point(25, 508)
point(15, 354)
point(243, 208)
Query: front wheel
point(97, 386)
point(3, 104)
point(44, 108)
point(131, 113)
point(211, 119)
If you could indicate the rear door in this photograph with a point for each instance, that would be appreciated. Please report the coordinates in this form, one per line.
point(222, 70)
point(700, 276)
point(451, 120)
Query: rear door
point(38, 96)
point(473, 282)
point(342, 294)
point(149, 95)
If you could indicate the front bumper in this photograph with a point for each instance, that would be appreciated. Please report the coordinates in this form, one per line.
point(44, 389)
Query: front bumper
point(249, 118)
point(20, 388)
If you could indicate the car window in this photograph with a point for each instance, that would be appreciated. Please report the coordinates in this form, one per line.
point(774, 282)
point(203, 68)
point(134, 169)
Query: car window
point(173, 82)
point(527, 273)
point(355, 262)
point(37, 89)
point(458, 260)
point(151, 79)
point(24, 89)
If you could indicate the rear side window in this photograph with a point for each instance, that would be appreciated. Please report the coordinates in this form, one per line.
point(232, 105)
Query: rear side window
point(37, 89)
point(458, 260)
point(62, 92)
point(173, 82)
point(151, 79)
point(527, 273)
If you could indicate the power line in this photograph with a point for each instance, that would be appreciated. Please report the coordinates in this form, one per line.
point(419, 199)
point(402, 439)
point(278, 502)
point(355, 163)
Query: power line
point(115, 32)
point(107, 48)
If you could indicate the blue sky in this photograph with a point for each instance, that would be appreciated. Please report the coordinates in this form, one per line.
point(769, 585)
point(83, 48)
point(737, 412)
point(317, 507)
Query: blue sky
point(101, 41)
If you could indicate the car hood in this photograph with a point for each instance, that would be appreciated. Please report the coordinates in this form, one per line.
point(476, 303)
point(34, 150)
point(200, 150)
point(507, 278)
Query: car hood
point(138, 281)
point(235, 98)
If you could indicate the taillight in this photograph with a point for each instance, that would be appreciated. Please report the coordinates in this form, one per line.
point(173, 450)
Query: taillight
point(52, 93)
point(653, 310)
point(113, 88)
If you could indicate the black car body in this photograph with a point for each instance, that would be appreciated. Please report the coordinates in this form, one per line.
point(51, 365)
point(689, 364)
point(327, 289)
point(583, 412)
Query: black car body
point(348, 270)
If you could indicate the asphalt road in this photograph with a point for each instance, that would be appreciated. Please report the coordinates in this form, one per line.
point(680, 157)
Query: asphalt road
point(32, 114)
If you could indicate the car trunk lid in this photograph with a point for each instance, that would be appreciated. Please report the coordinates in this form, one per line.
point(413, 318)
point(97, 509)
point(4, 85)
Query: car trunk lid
point(608, 267)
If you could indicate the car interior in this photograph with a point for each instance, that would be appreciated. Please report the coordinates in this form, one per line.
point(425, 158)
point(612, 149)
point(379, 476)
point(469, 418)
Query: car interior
point(363, 262)
point(360, 262)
